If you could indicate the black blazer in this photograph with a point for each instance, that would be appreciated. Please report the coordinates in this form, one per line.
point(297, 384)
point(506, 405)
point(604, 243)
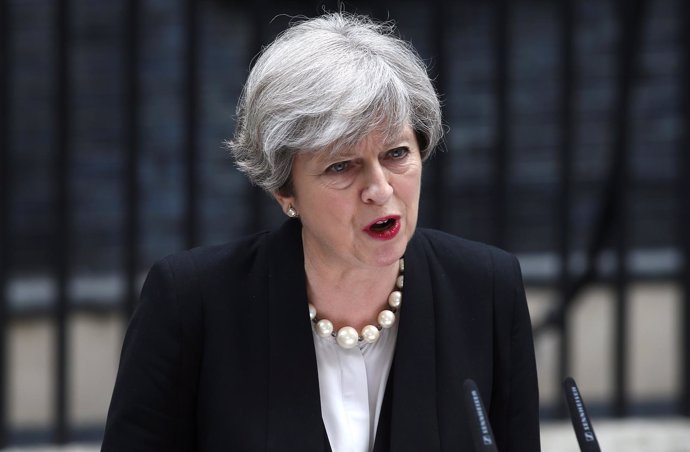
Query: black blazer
point(219, 355)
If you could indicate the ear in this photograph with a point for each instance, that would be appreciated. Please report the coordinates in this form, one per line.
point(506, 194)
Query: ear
point(285, 201)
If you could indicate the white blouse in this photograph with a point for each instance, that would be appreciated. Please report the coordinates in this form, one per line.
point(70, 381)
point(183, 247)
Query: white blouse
point(352, 384)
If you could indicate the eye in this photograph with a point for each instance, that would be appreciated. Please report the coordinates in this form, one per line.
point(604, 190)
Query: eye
point(398, 153)
point(338, 167)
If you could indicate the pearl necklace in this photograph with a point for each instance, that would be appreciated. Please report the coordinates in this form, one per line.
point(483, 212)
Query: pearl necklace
point(347, 337)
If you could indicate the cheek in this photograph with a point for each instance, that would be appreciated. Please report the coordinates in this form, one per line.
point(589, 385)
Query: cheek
point(410, 188)
point(327, 203)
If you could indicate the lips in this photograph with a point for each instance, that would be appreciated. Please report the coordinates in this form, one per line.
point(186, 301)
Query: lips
point(384, 228)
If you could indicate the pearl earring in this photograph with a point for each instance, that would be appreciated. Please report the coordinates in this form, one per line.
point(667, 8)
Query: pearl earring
point(292, 213)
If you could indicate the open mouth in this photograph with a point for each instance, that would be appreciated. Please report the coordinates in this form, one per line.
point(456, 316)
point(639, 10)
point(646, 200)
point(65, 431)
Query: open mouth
point(384, 228)
point(383, 225)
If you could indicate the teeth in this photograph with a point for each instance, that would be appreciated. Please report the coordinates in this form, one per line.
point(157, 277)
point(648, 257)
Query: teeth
point(382, 224)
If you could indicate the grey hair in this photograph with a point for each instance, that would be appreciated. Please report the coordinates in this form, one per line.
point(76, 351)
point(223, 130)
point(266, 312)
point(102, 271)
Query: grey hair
point(323, 85)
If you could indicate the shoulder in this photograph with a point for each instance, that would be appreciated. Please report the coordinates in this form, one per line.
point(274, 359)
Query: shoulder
point(235, 255)
point(451, 249)
point(241, 256)
point(182, 287)
point(186, 280)
point(459, 262)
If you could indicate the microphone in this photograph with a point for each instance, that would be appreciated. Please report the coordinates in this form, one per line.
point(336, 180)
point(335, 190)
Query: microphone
point(479, 422)
point(578, 415)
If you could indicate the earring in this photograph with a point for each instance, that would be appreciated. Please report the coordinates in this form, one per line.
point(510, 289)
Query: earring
point(292, 213)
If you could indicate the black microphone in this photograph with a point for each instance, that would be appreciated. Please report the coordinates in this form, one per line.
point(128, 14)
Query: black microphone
point(479, 422)
point(578, 415)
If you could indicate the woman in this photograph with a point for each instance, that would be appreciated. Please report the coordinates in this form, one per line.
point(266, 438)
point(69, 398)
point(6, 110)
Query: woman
point(347, 329)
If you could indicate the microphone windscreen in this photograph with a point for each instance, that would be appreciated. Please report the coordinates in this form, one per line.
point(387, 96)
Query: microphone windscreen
point(479, 422)
point(578, 415)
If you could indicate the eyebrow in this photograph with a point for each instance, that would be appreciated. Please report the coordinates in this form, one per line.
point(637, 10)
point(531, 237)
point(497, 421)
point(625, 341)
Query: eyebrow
point(395, 142)
point(346, 155)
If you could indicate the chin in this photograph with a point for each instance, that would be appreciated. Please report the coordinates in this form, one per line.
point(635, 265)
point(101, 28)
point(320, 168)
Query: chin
point(389, 256)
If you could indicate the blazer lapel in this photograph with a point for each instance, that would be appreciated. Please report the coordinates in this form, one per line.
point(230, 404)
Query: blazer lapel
point(413, 417)
point(444, 337)
point(294, 407)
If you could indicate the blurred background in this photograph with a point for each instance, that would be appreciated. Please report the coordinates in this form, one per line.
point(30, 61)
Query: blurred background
point(567, 144)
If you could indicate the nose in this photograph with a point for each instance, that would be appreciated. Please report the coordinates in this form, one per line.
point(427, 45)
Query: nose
point(377, 189)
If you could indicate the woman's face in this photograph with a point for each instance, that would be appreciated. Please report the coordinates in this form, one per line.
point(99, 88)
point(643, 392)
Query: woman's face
point(358, 208)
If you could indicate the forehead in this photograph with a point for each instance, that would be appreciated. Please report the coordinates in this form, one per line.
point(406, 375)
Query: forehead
point(375, 141)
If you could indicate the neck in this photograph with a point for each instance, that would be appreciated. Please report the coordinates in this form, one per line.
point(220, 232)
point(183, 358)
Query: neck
point(348, 296)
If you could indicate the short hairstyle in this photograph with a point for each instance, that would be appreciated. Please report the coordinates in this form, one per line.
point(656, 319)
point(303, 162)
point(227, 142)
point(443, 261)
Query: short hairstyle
point(323, 85)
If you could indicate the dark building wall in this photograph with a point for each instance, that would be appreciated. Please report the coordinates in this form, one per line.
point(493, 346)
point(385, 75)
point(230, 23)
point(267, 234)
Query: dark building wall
point(97, 76)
